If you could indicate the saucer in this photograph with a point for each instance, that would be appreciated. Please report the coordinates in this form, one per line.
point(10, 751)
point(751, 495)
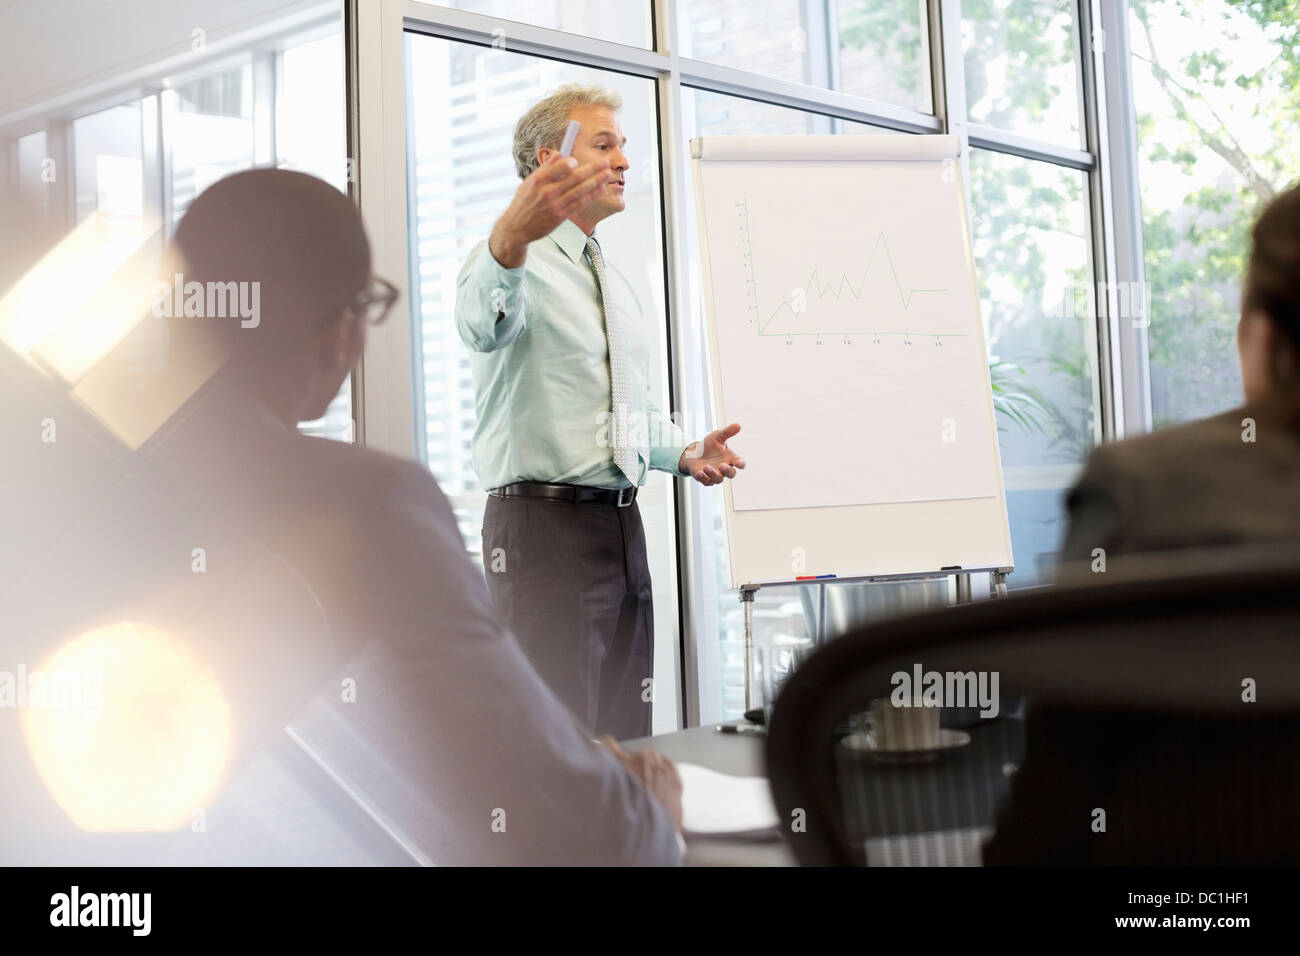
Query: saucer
point(948, 740)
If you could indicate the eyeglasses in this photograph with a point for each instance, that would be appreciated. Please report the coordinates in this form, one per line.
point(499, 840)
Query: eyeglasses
point(376, 302)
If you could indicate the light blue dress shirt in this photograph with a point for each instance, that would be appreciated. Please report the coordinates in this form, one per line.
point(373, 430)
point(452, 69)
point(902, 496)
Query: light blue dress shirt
point(540, 362)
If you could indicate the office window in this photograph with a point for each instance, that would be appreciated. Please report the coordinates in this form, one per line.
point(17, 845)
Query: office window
point(273, 94)
point(109, 169)
point(884, 51)
point(717, 114)
point(310, 126)
point(1033, 259)
point(1217, 127)
point(873, 48)
point(311, 137)
point(208, 126)
point(1022, 67)
point(463, 103)
point(31, 154)
point(622, 21)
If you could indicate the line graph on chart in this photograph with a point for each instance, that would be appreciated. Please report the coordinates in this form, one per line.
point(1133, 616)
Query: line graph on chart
point(869, 303)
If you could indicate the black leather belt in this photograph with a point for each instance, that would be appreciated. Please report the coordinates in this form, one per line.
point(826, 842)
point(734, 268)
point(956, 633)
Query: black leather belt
point(578, 494)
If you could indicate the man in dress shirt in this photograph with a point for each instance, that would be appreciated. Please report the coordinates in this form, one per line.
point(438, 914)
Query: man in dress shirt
point(566, 429)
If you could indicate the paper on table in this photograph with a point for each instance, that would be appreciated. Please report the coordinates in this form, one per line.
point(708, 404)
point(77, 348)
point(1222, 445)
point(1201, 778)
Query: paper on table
point(715, 804)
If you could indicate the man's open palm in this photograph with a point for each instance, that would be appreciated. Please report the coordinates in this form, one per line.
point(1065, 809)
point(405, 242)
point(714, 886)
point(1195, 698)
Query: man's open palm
point(709, 461)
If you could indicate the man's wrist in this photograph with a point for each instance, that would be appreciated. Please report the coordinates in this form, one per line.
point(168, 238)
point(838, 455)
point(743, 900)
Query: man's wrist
point(509, 252)
point(681, 460)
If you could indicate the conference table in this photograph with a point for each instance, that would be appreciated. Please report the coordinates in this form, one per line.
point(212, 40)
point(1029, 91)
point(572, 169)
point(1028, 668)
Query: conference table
point(935, 813)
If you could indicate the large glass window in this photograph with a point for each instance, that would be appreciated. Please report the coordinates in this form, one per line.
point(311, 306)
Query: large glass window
point(1022, 67)
point(872, 48)
point(1033, 259)
point(1217, 138)
point(621, 21)
point(108, 146)
point(208, 125)
point(272, 93)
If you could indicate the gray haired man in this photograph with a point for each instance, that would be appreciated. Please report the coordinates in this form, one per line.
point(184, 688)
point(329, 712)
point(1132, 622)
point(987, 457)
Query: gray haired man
point(566, 430)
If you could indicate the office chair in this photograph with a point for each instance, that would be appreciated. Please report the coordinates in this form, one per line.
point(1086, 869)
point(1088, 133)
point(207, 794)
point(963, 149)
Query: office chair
point(1162, 727)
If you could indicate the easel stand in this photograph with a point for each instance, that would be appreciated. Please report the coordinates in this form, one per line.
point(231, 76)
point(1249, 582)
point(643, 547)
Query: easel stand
point(997, 589)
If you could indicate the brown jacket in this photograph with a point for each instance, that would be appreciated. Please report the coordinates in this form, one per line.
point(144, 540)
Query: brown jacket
point(1176, 790)
point(1231, 479)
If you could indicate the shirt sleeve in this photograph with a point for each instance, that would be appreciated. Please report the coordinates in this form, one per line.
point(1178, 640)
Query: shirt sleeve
point(667, 442)
point(490, 301)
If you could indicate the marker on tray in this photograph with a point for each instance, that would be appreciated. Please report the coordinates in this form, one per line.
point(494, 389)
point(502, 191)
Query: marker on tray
point(570, 135)
point(814, 577)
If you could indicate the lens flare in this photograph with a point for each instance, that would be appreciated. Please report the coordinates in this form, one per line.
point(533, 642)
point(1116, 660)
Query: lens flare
point(156, 750)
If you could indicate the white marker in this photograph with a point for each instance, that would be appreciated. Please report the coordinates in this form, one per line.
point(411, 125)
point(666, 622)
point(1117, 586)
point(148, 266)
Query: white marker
point(570, 135)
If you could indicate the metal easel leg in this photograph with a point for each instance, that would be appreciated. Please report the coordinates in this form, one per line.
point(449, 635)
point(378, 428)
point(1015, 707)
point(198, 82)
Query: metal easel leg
point(823, 631)
point(963, 589)
point(747, 599)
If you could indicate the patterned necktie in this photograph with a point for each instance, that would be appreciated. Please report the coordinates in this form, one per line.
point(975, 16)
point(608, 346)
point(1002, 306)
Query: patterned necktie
point(625, 454)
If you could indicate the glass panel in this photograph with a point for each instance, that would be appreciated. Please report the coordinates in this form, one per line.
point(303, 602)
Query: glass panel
point(781, 614)
point(873, 48)
point(310, 123)
point(627, 21)
point(311, 137)
point(1217, 129)
point(209, 126)
point(464, 103)
point(716, 114)
point(272, 94)
point(1033, 257)
point(1022, 67)
point(110, 164)
point(34, 173)
point(884, 51)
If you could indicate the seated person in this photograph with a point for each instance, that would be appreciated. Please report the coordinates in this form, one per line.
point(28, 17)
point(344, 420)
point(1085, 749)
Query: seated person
point(1230, 479)
point(1191, 789)
point(493, 769)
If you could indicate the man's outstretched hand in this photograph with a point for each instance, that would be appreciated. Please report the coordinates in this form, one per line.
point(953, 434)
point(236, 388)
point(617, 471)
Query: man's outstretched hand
point(709, 460)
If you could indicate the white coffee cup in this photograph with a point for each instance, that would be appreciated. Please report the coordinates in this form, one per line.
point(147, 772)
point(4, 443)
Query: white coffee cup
point(904, 727)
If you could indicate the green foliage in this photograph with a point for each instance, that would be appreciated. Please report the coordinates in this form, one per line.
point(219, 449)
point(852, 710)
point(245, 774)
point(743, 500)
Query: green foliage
point(1219, 163)
point(1196, 248)
point(1015, 398)
point(892, 29)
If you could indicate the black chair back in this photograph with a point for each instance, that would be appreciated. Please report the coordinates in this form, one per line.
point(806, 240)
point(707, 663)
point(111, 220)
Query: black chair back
point(1151, 688)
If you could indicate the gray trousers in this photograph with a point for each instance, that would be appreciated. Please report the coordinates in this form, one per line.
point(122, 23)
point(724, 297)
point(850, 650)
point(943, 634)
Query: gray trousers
point(572, 583)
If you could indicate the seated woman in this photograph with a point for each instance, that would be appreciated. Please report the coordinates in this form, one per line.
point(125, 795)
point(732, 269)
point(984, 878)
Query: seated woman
point(1230, 479)
point(1176, 789)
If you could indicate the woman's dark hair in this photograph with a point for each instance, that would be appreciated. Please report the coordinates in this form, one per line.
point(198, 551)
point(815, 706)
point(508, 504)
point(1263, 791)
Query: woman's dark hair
point(1272, 284)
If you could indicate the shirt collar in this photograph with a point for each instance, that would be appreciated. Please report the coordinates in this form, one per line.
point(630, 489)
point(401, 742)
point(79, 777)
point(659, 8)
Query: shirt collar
point(571, 240)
